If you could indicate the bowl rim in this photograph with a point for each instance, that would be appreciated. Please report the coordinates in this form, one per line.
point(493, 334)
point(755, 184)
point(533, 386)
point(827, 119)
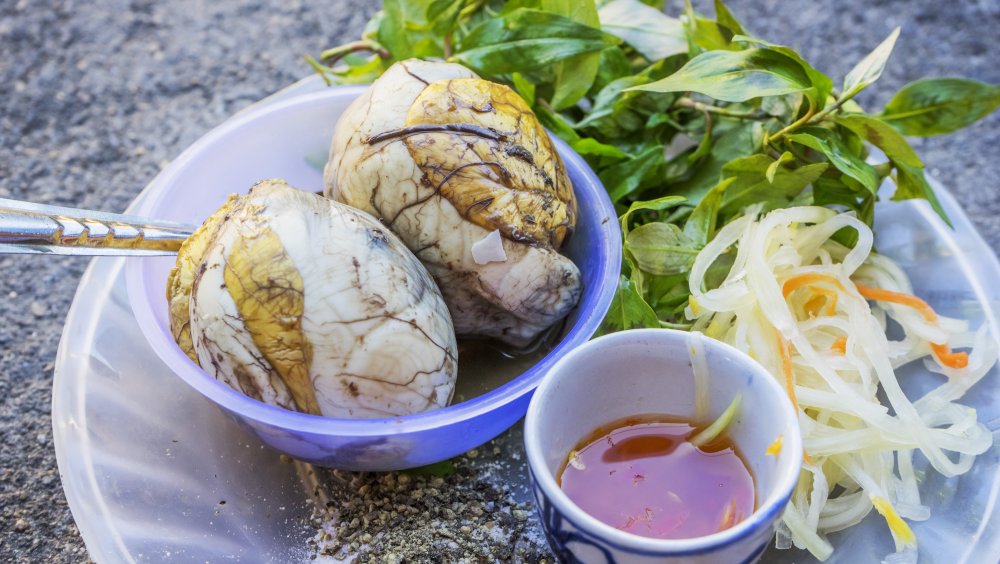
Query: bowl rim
point(761, 517)
point(234, 401)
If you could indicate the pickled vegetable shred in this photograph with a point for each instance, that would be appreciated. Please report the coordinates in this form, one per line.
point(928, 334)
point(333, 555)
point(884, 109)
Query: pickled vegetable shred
point(816, 313)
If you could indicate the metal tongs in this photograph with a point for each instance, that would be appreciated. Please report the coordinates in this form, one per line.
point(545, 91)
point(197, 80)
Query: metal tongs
point(29, 228)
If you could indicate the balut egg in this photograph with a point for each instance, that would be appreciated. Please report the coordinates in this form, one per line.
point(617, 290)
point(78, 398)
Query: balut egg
point(461, 169)
point(308, 304)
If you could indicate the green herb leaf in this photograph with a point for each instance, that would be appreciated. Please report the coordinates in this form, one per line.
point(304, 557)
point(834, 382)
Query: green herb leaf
point(700, 225)
point(628, 310)
point(661, 248)
point(726, 18)
point(649, 31)
point(404, 31)
point(751, 186)
point(735, 139)
point(911, 183)
point(556, 123)
point(525, 40)
point(822, 85)
point(839, 154)
point(589, 146)
point(940, 105)
point(870, 68)
point(883, 136)
point(525, 88)
point(575, 74)
point(736, 76)
point(616, 114)
point(841, 190)
point(772, 169)
point(614, 64)
point(628, 176)
point(659, 204)
point(443, 15)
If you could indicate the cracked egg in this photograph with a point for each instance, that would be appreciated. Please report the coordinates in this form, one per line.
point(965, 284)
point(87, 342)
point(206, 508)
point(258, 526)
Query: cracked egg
point(449, 161)
point(310, 305)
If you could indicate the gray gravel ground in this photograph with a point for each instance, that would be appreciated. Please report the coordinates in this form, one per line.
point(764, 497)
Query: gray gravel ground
point(97, 96)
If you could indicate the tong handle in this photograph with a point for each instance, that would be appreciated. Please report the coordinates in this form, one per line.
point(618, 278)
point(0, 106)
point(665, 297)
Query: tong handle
point(30, 228)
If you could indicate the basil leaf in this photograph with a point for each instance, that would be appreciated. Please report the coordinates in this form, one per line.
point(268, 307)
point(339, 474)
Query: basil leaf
point(883, 136)
point(839, 154)
point(525, 40)
point(667, 295)
point(726, 18)
point(628, 310)
point(556, 123)
point(592, 147)
point(739, 140)
point(701, 224)
point(870, 68)
point(443, 15)
point(658, 204)
point(911, 183)
point(613, 65)
point(661, 248)
point(628, 176)
point(830, 190)
point(615, 114)
point(772, 169)
point(784, 108)
point(404, 31)
point(704, 146)
point(940, 105)
point(709, 35)
point(575, 74)
point(736, 76)
point(649, 31)
point(359, 69)
point(841, 190)
point(751, 186)
point(524, 87)
point(822, 85)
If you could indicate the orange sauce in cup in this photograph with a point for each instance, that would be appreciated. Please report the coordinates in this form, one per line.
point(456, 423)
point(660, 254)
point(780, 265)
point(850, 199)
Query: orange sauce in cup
point(642, 475)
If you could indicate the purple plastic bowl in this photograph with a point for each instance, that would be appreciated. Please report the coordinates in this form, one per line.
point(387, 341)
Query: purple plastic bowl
point(277, 140)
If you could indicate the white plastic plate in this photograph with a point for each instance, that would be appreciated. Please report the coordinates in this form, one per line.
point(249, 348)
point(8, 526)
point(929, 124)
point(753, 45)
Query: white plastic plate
point(154, 472)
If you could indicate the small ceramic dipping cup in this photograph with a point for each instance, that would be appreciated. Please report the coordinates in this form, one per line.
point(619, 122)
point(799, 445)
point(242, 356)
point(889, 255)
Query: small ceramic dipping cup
point(650, 371)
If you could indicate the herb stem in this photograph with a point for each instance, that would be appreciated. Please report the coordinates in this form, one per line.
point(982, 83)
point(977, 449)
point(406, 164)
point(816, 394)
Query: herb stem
point(331, 56)
point(320, 69)
point(685, 102)
point(792, 126)
point(447, 46)
point(829, 110)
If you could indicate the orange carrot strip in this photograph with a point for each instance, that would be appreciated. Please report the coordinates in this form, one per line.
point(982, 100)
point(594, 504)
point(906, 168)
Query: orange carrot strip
point(786, 367)
point(916, 303)
point(808, 279)
point(941, 351)
point(840, 345)
point(948, 358)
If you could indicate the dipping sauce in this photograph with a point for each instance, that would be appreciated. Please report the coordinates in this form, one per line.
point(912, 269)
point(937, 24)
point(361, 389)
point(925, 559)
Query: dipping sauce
point(642, 476)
